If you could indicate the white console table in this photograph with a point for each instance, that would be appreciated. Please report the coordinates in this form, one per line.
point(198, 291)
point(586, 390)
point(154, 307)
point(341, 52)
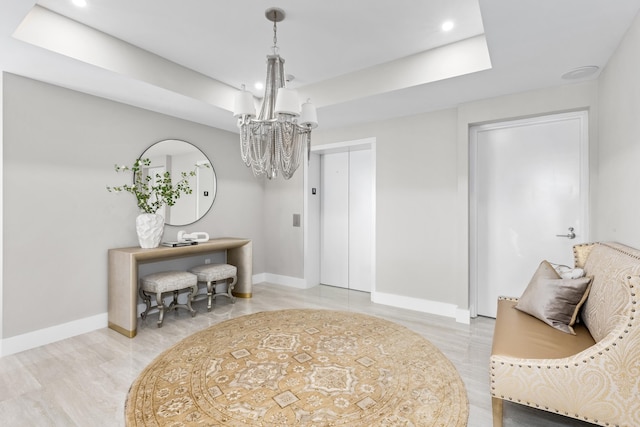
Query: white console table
point(123, 275)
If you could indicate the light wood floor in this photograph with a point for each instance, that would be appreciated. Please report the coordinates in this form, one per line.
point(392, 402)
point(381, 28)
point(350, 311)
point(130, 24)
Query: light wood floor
point(83, 381)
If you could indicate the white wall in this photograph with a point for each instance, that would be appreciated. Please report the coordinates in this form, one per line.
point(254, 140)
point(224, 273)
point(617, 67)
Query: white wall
point(311, 221)
point(60, 147)
point(422, 192)
point(1, 206)
point(59, 221)
point(416, 193)
point(571, 97)
point(284, 257)
point(618, 183)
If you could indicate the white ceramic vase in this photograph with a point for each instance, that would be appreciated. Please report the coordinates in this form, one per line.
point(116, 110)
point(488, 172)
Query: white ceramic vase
point(150, 228)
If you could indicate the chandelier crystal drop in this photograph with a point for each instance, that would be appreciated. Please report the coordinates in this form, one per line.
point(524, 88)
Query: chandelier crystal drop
point(273, 142)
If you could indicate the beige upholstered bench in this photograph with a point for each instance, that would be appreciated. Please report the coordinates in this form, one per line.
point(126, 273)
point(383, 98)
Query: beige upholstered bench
point(593, 375)
point(213, 273)
point(167, 281)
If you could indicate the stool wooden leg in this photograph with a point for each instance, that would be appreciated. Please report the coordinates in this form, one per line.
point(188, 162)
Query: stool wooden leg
point(174, 302)
point(147, 301)
point(209, 295)
point(160, 304)
point(230, 287)
point(192, 293)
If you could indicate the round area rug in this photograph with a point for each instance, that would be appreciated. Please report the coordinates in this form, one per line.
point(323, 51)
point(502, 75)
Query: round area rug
point(300, 367)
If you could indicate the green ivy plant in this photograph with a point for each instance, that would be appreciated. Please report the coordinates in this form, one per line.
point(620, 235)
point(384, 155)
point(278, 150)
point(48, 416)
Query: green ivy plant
point(152, 192)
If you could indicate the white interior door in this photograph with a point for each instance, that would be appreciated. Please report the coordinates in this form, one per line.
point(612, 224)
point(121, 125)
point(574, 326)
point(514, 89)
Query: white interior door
point(528, 185)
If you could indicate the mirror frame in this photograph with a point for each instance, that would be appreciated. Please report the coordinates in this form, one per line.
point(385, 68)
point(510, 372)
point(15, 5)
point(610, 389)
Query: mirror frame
point(156, 150)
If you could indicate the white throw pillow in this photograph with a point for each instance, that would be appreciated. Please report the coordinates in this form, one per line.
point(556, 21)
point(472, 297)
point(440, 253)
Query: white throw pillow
point(567, 272)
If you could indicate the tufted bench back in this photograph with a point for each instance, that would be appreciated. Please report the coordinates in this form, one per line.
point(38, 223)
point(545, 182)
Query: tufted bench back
point(616, 279)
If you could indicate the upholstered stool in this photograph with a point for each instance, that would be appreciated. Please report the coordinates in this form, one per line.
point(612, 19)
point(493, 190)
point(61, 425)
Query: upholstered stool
point(167, 281)
point(212, 273)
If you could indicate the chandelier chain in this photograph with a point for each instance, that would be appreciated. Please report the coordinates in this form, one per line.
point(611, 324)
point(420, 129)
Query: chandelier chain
point(275, 36)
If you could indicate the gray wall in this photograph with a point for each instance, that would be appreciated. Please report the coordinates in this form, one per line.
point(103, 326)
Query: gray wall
point(59, 221)
point(618, 183)
point(582, 96)
point(283, 198)
point(60, 147)
point(422, 191)
point(416, 187)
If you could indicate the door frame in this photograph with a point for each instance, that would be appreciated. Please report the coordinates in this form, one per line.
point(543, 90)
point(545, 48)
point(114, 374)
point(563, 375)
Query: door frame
point(311, 223)
point(583, 117)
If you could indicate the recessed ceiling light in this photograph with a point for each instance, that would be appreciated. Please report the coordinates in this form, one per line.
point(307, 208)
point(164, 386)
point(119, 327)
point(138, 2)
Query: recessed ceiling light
point(80, 3)
point(580, 72)
point(447, 26)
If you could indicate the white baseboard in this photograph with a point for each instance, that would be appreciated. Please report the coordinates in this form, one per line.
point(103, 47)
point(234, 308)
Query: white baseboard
point(52, 334)
point(67, 330)
point(422, 305)
point(294, 282)
point(259, 278)
point(463, 316)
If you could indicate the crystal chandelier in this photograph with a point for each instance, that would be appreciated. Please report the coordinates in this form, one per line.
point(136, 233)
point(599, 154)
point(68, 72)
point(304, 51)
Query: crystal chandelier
point(273, 142)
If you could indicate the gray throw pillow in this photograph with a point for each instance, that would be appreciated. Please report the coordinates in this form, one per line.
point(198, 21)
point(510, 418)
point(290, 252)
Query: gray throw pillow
point(554, 300)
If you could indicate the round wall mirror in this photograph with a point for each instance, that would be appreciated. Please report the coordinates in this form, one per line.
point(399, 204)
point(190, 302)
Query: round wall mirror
point(178, 156)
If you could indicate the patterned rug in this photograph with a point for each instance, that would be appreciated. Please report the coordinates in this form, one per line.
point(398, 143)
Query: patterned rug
point(300, 367)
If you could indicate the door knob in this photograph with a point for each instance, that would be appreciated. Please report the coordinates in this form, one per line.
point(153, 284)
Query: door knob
point(571, 234)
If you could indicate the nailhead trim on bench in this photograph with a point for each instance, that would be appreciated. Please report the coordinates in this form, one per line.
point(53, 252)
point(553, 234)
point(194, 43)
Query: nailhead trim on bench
point(613, 344)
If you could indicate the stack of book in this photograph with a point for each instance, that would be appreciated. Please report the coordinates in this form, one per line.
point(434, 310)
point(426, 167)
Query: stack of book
point(176, 244)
